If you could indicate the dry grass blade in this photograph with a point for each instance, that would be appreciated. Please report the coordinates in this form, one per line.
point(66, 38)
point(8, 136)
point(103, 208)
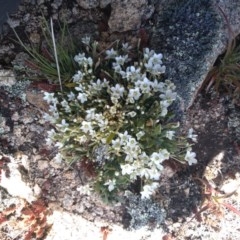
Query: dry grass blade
point(55, 54)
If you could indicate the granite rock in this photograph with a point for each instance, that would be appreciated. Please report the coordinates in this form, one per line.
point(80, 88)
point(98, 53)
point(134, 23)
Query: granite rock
point(128, 15)
point(88, 4)
point(191, 35)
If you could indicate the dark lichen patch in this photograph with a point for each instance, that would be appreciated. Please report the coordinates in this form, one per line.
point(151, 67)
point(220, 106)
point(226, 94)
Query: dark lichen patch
point(142, 212)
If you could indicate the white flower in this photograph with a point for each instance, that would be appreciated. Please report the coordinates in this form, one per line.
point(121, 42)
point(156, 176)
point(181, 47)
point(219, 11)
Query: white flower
point(82, 60)
point(105, 83)
point(165, 154)
point(164, 112)
point(89, 61)
point(86, 127)
point(169, 95)
point(82, 97)
point(59, 145)
point(49, 141)
point(144, 85)
point(113, 110)
point(58, 158)
point(63, 125)
point(149, 189)
point(117, 91)
point(158, 86)
point(156, 161)
point(65, 105)
point(170, 134)
point(49, 98)
point(71, 96)
point(111, 184)
point(53, 109)
point(85, 189)
point(116, 144)
point(127, 169)
point(97, 86)
point(133, 94)
point(101, 121)
point(117, 68)
point(158, 158)
point(164, 105)
point(132, 114)
point(82, 139)
point(90, 114)
point(132, 73)
point(78, 58)
point(147, 53)
point(120, 60)
point(111, 53)
point(154, 64)
point(157, 58)
point(78, 77)
point(153, 173)
point(192, 136)
point(126, 47)
point(131, 142)
point(140, 134)
point(144, 157)
point(190, 157)
point(79, 88)
point(86, 40)
point(124, 137)
point(51, 133)
point(49, 118)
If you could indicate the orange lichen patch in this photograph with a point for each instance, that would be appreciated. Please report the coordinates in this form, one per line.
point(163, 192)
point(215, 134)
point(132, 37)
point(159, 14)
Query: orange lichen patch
point(29, 219)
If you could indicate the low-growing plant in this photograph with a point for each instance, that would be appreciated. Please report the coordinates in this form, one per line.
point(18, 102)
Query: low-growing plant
point(116, 116)
point(226, 73)
point(214, 201)
point(52, 58)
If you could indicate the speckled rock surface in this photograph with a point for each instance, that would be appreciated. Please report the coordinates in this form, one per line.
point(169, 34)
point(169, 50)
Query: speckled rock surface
point(88, 4)
point(191, 35)
point(172, 211)
point(7, 77)
point(128, 15)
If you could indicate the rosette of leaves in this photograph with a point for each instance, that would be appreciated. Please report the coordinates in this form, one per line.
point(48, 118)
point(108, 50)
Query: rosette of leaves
point(116, 116)
point(52, 58)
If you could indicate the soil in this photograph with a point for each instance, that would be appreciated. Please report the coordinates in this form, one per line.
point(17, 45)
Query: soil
point(185, 204)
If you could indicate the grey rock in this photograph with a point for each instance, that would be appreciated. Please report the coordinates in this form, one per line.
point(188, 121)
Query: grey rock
point(7, 7)
point(104, 3)
point(56, 4)
point(39, 2)
point(88, 4)
point(191, 35)
point(3, 126)
point(143, 211)
point(128, 15)
point(234, 121)
point(7, 78)
point(42, 164)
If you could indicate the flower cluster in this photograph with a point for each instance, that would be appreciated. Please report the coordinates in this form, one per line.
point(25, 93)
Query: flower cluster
point(116, 114)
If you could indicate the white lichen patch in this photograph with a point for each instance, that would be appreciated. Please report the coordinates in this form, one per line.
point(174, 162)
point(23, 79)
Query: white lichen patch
point(7, 78)
point(13, 181)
